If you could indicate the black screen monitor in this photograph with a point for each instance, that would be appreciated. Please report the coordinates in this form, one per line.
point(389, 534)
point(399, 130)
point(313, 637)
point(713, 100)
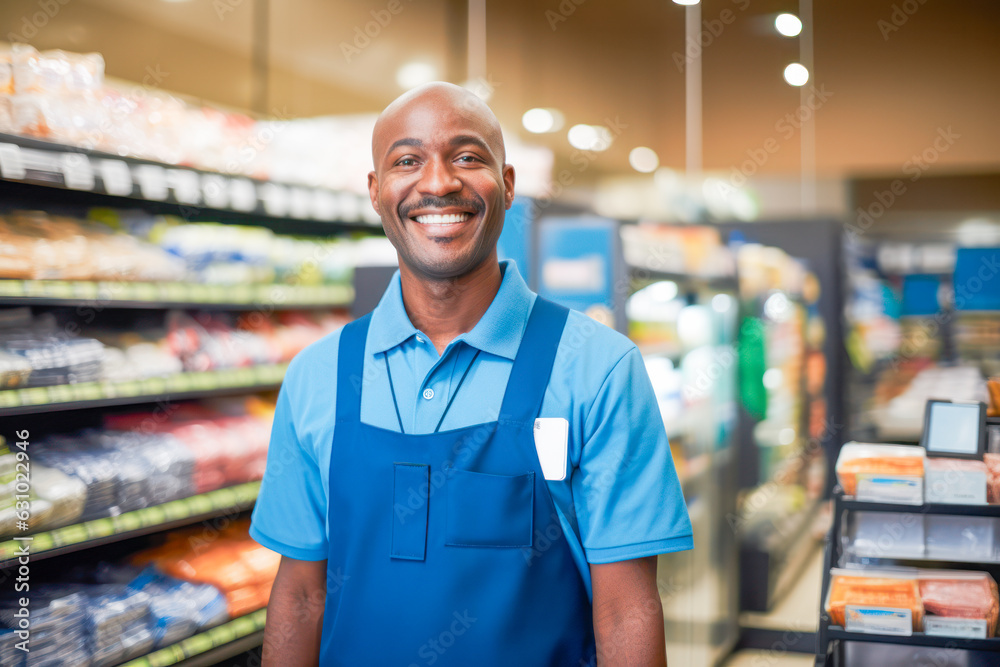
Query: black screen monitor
point(954, 430)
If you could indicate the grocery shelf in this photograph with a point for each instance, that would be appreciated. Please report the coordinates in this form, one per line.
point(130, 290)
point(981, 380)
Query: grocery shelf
point(109, 294)
point(154, 519)
point(716, 281)
point(172, 387)
point(916, 639)
point(94, 176)
point(958, 510)
point(211, 646)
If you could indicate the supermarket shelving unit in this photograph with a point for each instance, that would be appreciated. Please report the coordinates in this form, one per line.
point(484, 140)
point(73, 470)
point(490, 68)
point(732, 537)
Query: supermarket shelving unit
point(39, 174)
point(831, 639)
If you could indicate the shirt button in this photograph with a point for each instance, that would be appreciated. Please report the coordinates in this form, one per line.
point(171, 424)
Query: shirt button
point(420, 339)
point(428, 393)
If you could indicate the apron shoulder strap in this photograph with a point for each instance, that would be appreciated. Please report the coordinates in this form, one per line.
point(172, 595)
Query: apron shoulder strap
point(351, 367)
point(529, 377)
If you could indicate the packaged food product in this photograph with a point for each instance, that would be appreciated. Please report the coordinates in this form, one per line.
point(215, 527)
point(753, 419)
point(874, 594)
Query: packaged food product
point(992, 462)
point(881, 589)
point(962, 538)
point(993, 386)
point(889, 460)
point(953, 594)
point(886, 535)
point(955, 481)
point(178, 608)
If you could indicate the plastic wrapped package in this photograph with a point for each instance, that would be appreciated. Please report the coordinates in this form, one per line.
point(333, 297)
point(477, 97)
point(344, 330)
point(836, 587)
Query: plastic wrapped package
point(55, 72)
point(968, 595)
point(91, 466)
point(886, 535)
point(179, 608)
point(54, 358)
point(55, 499)
point(118, 623)
point(862, 458)
point(962, 538)
point(166, 465)
point(14, 370)
point(59, 635)
point(849, 588)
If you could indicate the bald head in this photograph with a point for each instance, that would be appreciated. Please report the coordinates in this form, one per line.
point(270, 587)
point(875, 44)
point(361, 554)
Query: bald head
point(441, 102)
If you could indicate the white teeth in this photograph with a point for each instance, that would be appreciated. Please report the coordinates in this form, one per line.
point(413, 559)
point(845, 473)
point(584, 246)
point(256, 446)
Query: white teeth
point(442, 219)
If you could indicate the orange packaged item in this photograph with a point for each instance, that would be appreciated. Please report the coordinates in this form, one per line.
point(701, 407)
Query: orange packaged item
point(971, 595)
point(861, 458)
point(876, 591)
point(993, 384)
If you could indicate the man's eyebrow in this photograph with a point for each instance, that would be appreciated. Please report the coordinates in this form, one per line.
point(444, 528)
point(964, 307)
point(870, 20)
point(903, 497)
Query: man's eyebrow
point(416, 143)
point(463, 139)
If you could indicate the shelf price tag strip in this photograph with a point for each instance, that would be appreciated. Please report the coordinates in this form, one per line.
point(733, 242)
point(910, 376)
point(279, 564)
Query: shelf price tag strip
point(182, 382)
point(204, 641)
point(240, 495)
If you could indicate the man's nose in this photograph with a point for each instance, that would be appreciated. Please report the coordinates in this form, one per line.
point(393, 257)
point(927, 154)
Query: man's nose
point(439, 178)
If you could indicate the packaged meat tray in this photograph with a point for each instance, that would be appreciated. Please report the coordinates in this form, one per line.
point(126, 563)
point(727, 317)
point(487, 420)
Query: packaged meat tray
point(955, 481)
point(959, 595)
point(895, 595)
point(902, 463)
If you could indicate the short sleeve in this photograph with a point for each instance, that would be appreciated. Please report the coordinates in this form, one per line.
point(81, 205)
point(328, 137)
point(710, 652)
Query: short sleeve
point(290, 514)
point(626, 493)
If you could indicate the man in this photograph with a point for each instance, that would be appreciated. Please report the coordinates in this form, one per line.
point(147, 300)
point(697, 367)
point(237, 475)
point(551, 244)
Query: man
point(471, 474)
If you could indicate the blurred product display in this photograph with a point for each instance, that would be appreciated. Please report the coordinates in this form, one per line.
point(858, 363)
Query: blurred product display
point(233, 563)
point(138, 460)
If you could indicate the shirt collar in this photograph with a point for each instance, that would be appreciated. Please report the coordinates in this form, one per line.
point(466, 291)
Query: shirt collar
point(498, 331)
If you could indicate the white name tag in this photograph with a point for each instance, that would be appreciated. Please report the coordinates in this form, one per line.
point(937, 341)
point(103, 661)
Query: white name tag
point(552, 446)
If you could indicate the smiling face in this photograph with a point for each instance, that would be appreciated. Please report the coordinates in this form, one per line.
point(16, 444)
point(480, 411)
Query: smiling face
point(440, 184)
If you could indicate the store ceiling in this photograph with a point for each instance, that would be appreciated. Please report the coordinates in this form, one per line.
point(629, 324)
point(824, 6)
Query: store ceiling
point(888, 91)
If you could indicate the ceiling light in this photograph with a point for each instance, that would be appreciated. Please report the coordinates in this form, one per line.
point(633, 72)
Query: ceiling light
point(540, 121)
point(415, 74)
point(788, 25)
point(589, 137)
point(643, 159)
point(796, 75)
point(686, 2)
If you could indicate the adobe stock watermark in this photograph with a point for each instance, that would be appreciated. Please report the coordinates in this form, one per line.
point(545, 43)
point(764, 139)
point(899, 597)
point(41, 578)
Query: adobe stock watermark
point(32, 23)
point(900, 14)
point(565, 9)
point(694, 45)
point(915, 167)
point(786, 127)
point(363, 35)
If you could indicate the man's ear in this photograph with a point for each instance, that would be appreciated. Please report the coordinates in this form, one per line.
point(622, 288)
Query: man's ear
point(373, 191)
point(508, 186)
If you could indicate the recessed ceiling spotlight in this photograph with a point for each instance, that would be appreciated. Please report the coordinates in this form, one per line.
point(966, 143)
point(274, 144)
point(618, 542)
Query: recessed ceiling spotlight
point(540, 121)
point(788, 25)
point(796, 75)
point(686, 2)
point(415, 74)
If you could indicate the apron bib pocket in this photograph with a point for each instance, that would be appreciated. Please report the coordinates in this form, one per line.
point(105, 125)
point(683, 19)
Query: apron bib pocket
point(489, 510)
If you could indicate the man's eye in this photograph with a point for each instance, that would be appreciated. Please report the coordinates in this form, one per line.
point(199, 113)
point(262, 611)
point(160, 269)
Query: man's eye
point(468, 158)
point(406, 162)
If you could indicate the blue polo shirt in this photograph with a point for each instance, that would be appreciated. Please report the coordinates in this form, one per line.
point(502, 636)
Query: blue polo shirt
point(620, 499)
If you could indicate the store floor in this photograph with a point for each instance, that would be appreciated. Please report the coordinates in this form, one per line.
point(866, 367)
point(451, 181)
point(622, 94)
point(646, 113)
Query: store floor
point(797, 613)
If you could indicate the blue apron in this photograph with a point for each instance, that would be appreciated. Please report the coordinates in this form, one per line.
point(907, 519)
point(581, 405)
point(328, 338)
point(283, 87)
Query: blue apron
point(441, 545)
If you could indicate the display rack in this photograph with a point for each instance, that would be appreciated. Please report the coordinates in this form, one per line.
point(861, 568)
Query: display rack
point(831, 638)
point(38, 174)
